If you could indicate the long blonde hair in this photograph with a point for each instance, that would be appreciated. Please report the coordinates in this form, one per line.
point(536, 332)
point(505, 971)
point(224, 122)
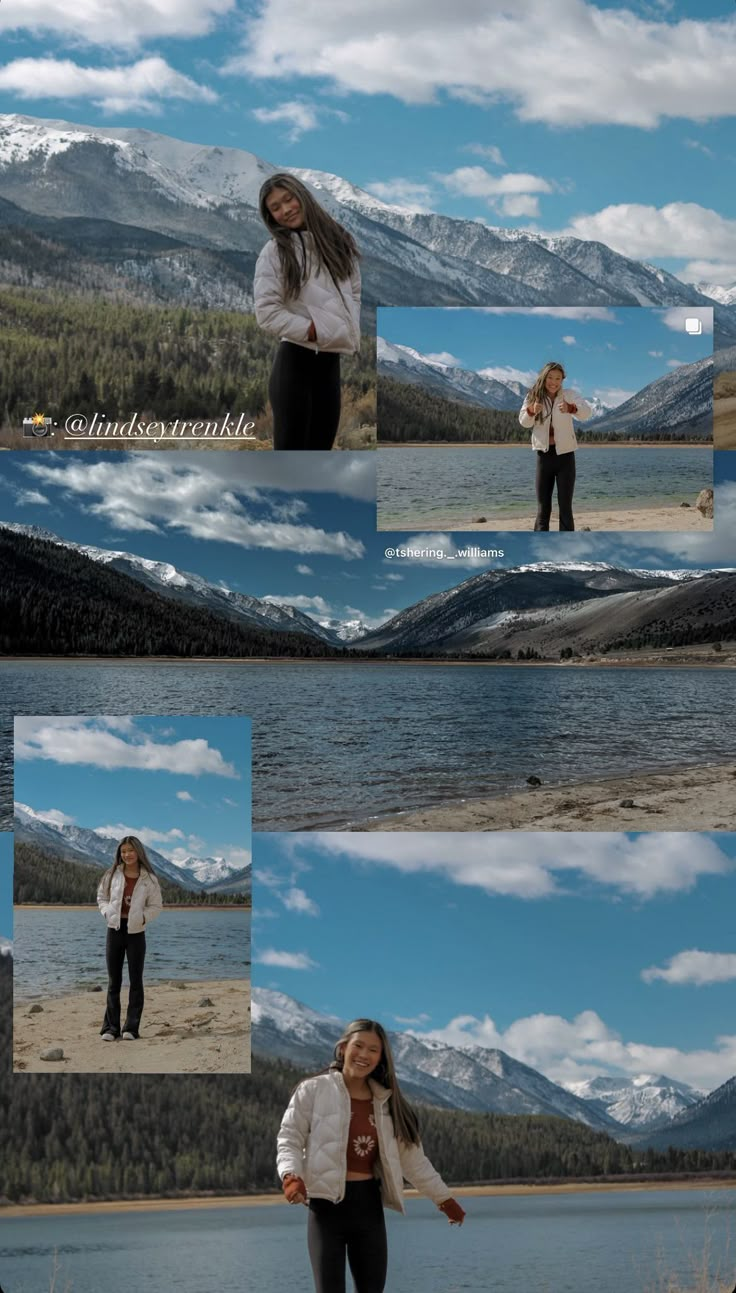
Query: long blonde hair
point(405, 1121)
point(539, 393)
point(143, 862)
point(334, 248)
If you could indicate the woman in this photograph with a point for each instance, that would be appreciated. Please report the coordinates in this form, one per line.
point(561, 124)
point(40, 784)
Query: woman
point(129, 897)
point(549, 411)
point(347, 1140)
point(307, 293)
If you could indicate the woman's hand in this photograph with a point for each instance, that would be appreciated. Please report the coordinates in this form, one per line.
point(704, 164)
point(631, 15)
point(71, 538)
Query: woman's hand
point(566, 407)
point(533, 409)
point(452, 1210)
point(312, 334)
point(294, 1189)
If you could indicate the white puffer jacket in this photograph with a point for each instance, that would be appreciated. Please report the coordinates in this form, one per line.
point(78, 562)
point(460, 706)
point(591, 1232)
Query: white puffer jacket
point(565, 441)
point(313, 1142)
point(334, 309)
point(145, 905)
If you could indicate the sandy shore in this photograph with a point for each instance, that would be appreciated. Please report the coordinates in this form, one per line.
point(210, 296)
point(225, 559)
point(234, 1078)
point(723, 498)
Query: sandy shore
point(153, 1204)
point(689, 799)
point(177, 1034)
point(632, 518)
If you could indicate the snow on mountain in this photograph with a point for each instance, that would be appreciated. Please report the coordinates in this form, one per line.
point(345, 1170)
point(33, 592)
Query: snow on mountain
point(402, 363)
point(346, 630)
point(83, 844)
point(722, 295)
point(642, 1101)
point(184, 586)
point(207, 196)
point(709, 1124)
point(471, 1078)
point(6, 947)
point(680, 402)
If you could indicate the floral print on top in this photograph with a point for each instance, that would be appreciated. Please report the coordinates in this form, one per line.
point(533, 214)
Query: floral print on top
point(362, 1140)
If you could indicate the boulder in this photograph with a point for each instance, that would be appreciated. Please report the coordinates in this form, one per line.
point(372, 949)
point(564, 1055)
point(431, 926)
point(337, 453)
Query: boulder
point(52, 1053)
point(704, 503)
point(36, 1009)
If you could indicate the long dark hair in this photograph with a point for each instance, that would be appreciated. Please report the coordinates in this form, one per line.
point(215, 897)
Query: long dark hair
point(143, 862)
point(405, 1121)
point(334, 248)
point(539, 391)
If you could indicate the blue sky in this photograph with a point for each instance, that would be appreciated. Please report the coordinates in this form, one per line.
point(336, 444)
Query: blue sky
point(575, 953)
point(607, 353)
point(301, 531)
point(610, 120)
point(182, 785)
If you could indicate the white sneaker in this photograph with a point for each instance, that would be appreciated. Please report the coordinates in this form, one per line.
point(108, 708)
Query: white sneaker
point(108, 1037)
point(129, 1037)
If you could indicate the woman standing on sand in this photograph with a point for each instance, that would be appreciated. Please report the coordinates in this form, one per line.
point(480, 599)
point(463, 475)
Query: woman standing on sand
point(347, 1141)
point(307, 293)
point(549, 410)
point(129, 897)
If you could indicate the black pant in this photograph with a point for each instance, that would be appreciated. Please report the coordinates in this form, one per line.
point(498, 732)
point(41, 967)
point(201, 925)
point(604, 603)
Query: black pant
point(354, 1227)
point(304, 391)
point(119, 945)
point(559, 469)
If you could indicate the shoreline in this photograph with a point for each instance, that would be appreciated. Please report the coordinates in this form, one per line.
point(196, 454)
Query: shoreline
point(699, 798)
point(524, 444)
point(152, 1204)
point(672, 517)
point(178, 1035)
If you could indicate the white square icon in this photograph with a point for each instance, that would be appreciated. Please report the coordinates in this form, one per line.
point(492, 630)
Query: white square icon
point(693, 327)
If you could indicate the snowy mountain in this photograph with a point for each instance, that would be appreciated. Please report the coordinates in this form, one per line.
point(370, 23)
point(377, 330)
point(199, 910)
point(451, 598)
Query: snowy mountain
point(204, 199)
point(644, 1101)
point(470, 613)
point(345, 630)
point(472, 1078)
point(680, 403)
point(723, 295)
point(183, 586)
point(404, 364)
point(710, 1124)
point(82, 844)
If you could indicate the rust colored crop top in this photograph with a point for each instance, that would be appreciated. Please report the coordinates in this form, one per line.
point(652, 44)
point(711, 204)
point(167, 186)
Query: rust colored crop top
point(362, 1138)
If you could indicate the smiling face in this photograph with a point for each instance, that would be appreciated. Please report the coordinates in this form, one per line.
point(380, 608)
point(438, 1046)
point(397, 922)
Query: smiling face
point(129, 857)
point(285, 208)
point(553, 381)
point(361, 1054)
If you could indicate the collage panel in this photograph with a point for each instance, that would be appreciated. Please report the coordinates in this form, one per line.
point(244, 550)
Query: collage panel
point(615, 405)
point(131, 883)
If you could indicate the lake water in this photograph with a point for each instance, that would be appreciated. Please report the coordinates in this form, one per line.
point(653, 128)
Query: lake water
point(338, 743)
point(61, 951)
point(423, 486)
point(610, 1243)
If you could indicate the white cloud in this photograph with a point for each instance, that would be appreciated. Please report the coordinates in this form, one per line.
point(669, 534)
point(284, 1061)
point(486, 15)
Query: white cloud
point(490, 151)
point(539, 865)
point(84, 741)
point(417, 1019)
point(520, 206)
point(699, 146)
point(569, 340)
point(295, 899)
point(298, 115)
point(612, 396)
point(619, 67)
point(656, 354)
point(208, 501)
point(679, 229)
point(577, 313)
point(285, 960)
point(674, 318)
point(444, 357)
point(231, 803)
point(675, 363)
point(133, 21)
point(31, 498)
point(150, 835)
point(506, 373)
point(142, 87)
point(185, 796)
point(394, 579)
point(402, 192)
point(54, 816)
point(304, 570)
point(568, 1050)
point(694, 966)
point(477, 182)
point(722, 273)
